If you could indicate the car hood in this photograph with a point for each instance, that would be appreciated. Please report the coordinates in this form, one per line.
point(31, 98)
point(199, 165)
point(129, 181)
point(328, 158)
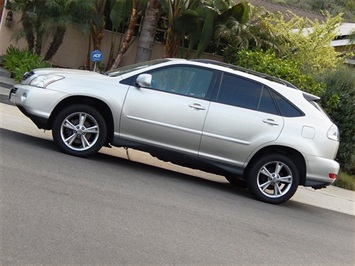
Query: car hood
point(65, 72)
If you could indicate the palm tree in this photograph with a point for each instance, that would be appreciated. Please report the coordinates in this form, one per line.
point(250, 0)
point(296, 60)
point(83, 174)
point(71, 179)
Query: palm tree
point(138, 5)
point(147, 36)
point(63, 13)
point(120, 11)
point(196, 21)
point(42, 17)
point(175, 10)
point(28, 20)
point(212, 13)
point(249, 31)
point(98, 23)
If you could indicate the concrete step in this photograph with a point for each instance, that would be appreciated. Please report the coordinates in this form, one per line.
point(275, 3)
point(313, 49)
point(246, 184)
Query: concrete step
point(4, 72)
point(5, 79)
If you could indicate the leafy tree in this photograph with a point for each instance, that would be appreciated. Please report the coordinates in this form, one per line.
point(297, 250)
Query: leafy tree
point(308, 42)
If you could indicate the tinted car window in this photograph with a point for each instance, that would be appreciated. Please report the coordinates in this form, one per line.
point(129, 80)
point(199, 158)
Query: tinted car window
point(239, 92)
point(286, 108)
point(184, 80)
point(267, 104)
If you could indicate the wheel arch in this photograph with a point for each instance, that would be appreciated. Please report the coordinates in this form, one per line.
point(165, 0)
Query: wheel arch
point(99, 105)
point(291, 153)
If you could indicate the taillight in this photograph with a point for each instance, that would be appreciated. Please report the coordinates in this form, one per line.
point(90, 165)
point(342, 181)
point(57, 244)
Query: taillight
point(333, 133)
point(332, 176)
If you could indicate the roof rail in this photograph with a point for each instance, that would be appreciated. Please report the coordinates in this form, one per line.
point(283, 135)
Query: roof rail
point(245, 70)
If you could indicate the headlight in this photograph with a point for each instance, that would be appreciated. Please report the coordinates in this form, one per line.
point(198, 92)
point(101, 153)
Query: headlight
point(44, 80)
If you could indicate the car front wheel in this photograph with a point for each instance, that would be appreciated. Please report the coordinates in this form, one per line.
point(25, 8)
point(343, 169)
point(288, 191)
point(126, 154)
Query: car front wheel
point(79, 130)
point(273, 178)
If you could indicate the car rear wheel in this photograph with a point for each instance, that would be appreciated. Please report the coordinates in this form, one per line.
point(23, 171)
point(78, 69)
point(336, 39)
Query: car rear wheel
point(79, 130)
point(273, 178)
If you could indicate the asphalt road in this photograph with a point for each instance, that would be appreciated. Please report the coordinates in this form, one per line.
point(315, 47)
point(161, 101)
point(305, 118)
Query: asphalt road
point(57, 209)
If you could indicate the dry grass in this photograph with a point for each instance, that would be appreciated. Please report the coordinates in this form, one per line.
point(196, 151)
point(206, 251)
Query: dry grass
point(345, 181)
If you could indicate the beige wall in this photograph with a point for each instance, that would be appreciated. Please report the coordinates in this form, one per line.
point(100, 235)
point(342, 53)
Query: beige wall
point(72, 53)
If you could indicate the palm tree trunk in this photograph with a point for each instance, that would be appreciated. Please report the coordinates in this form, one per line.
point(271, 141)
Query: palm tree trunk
point(29, 35)
point(146, 39)
point(56, 42)
point(98, 23)
point(172, 43)
point(128, 36)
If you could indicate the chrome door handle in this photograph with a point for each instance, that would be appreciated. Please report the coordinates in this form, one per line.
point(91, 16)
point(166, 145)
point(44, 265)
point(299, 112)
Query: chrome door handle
point(197, 106)
point(271, 122)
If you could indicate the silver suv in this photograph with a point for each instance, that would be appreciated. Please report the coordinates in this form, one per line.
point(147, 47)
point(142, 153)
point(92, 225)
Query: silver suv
point(252, 128)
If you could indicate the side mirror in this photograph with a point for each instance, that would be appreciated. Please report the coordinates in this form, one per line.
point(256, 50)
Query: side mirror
point(144, 80)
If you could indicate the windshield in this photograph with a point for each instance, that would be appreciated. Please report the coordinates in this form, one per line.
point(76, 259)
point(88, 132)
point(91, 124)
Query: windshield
point(126, 69)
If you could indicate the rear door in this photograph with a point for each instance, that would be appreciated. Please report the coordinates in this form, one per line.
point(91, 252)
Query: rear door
point(171, 112)
point(242, 117)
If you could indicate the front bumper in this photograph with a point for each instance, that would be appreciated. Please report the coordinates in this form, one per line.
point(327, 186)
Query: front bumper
point(36, 103)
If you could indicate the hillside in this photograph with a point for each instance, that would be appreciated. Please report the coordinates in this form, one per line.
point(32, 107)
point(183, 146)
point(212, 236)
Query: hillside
point(334, 7)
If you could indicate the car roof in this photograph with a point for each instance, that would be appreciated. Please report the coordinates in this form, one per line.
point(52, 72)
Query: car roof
point(245, 70)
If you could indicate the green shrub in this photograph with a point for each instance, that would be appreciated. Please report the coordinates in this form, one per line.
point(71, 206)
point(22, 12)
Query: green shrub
point(338, 100)
point(268, 63)
point(19, 61)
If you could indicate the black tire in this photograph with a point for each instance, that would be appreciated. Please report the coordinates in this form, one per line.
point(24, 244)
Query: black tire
point(273, 178)
point(237, 181)
point(79, 130)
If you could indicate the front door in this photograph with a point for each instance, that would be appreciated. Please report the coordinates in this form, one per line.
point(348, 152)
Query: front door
point(171, 112)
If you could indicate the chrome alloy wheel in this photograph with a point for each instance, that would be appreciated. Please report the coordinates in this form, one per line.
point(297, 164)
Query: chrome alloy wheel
point(79, 131)
point(274, 179)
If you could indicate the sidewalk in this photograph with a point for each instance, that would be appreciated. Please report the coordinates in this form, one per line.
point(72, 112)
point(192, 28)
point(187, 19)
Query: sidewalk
point(331, 198)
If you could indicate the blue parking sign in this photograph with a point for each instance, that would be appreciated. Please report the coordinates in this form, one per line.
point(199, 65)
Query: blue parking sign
point(96, 56)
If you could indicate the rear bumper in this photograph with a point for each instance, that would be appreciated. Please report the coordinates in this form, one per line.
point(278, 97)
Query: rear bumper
point(319, 171)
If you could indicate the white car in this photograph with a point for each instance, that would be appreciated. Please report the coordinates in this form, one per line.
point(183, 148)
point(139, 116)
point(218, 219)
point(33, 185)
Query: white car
point(252, 128)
